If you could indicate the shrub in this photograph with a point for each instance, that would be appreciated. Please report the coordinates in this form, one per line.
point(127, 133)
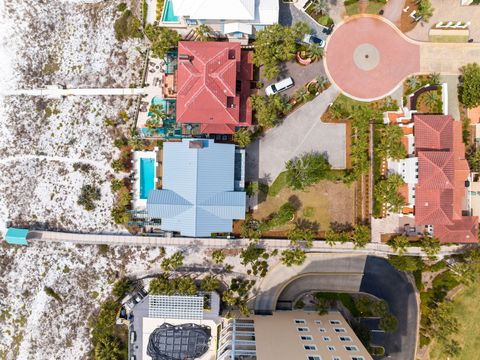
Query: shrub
point(406, 263)
point(120, 215)
point(361, 236)
point(122, 287)
point(116, 184)
point(173, 262)
point(210, 283)
point(127, 26)
point(122, 7)
point(163, 285)
point(50, 292)
point(218, 256)
point(242, 137)
point(269, 109)
point(88, 195)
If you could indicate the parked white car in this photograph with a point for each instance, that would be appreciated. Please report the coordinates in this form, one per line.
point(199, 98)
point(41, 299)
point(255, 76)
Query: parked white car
point(280, 86)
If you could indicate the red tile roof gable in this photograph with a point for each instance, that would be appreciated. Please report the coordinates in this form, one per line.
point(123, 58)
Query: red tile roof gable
point(442, 171)
point(433, 132)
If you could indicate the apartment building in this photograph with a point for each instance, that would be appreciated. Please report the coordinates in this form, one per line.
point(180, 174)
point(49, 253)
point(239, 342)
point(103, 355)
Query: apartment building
point(293, 335)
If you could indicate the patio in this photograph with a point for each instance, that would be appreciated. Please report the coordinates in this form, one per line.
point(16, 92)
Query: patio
point(449, 10)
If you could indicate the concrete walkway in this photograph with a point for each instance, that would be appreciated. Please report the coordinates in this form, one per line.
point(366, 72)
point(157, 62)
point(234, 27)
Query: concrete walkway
point(393, 10)
point(447, 58)
point(300, 132)
point(223, 243)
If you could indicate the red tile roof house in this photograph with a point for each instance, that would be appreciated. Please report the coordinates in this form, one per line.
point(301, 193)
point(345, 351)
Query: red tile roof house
point(213, 82)
point(442, 174)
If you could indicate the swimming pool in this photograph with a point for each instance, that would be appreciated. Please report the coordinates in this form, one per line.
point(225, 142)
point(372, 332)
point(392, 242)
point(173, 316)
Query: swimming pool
point(168, 15)
point(147, 176)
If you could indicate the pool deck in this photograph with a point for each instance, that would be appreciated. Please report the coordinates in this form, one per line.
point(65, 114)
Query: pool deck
point(137, 203)
point(153, 87)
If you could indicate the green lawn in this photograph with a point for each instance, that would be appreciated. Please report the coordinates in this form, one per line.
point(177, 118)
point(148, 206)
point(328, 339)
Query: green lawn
point(467, 312)
point(346, 299)
point(449, 38)
point(373, 7)
point(278, 184)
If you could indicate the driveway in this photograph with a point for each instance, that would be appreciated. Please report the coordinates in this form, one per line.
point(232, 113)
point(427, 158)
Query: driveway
point(383, 281)
point(300, 74)
point(393, 10)
point(300, 132)
point(289, 14)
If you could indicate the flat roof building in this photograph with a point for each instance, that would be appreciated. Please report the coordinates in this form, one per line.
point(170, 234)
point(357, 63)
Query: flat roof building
point(295, 335)
point(175, 327)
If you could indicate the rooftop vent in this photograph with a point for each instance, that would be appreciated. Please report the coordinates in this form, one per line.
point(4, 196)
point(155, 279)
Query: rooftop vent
point(184, 57)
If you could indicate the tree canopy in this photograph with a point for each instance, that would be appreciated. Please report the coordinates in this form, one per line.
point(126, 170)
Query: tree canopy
point(268, 109)
point(469, 87)
point(306, 170)
point(162, 39)
point(386, 192)
point(277, 43)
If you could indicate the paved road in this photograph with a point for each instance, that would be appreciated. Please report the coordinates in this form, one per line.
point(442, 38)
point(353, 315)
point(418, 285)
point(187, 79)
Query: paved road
point(332, 266)
point(300, 132)
point(383, 281)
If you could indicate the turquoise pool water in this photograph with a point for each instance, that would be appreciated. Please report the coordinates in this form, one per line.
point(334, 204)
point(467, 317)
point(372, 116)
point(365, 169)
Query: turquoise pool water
point(168, 15)
point(147, 176)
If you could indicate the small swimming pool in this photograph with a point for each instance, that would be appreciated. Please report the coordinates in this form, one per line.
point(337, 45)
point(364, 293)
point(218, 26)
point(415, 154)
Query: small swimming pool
point(147, 176)
point(168, 15)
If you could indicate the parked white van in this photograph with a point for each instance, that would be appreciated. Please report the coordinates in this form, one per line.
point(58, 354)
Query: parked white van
point(282, 85)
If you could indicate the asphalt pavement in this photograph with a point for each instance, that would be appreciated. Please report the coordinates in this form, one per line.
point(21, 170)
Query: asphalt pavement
point(385, 282)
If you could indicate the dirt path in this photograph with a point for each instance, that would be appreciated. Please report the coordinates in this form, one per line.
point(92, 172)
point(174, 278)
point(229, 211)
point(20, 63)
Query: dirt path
point(98, 164)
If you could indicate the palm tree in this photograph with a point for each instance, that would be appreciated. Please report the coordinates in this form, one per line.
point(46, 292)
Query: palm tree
point(413, 82)
point(399, 244)
point(431, 100)
point(293, 257)
point(434, 78)
point(322, 82)
point(301, 95)
point(315, 52)
point(203, 32)
point(320, 7)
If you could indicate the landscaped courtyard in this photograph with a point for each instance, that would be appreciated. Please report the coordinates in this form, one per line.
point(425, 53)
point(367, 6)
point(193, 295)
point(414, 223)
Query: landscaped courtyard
point(323, 203)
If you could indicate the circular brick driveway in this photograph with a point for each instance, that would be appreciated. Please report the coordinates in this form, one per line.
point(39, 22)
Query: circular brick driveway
point(367, 57)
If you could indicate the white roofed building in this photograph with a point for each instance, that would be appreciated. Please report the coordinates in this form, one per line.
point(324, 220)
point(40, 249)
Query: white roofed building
point(238, 19)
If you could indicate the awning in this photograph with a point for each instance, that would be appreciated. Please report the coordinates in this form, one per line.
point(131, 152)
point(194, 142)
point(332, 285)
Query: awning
point(229, 28)
point(16, 236)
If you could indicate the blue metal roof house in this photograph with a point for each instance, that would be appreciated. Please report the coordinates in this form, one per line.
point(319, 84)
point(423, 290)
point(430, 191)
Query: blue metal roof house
point(201, 192)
